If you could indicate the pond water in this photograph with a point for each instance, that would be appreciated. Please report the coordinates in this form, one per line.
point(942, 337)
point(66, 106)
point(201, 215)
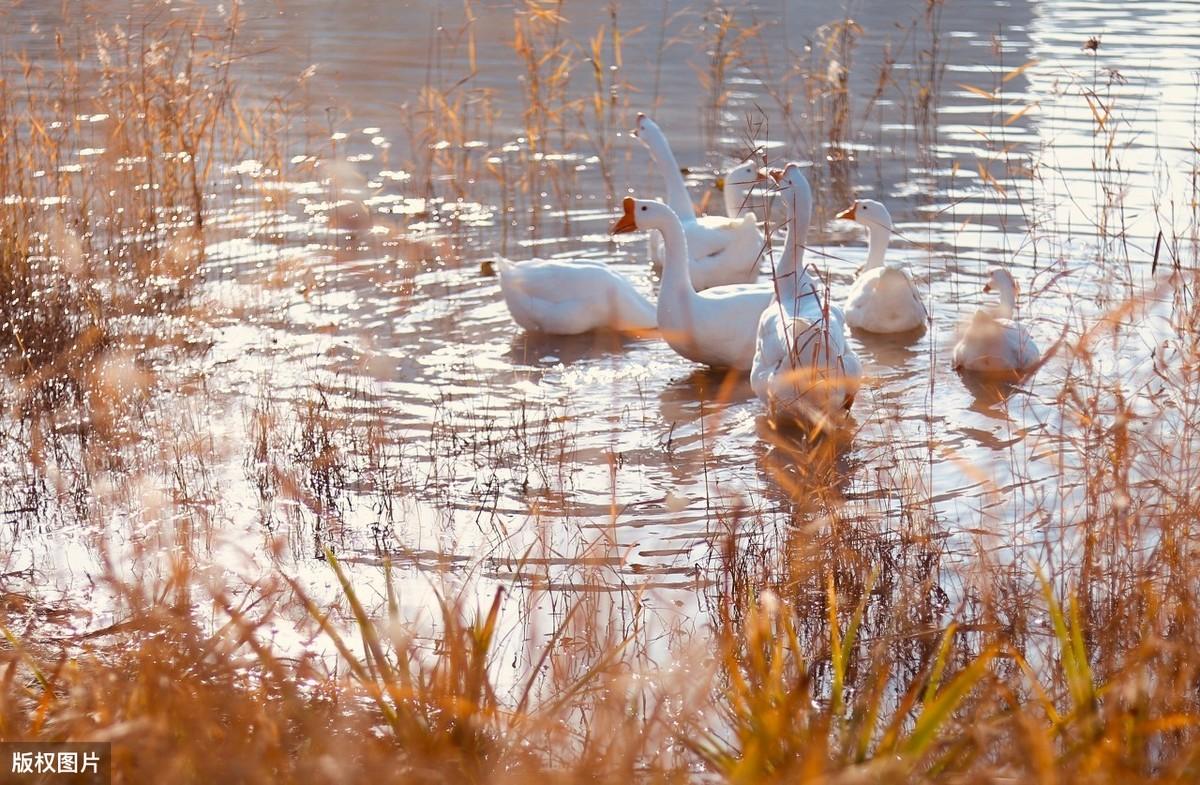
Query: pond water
point(614, 465)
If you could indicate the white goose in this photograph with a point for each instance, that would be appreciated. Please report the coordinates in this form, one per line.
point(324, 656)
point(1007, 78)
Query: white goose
point(568, 298)
point(883, 298)
point(716, 326)
point(803, 369)
point(737, 183)
point(723, 250)
point(993, 342)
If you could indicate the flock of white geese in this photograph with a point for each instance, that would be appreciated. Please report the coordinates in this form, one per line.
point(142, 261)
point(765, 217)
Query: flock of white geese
point(712, 310)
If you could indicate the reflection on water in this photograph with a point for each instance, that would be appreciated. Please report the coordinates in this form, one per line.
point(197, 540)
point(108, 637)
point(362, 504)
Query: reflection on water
point(615, 456)
point(540, 350)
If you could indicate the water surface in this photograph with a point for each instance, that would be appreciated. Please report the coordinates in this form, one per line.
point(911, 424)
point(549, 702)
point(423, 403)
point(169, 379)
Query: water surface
point(480, 452)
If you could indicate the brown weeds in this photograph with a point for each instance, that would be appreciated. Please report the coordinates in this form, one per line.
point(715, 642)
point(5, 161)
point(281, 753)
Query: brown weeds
point(849, 643)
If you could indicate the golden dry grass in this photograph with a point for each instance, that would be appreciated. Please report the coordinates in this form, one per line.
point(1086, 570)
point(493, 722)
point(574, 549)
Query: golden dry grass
point(833, 657)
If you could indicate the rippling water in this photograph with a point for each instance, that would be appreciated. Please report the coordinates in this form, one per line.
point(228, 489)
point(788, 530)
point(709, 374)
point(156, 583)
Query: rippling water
point(615, 464)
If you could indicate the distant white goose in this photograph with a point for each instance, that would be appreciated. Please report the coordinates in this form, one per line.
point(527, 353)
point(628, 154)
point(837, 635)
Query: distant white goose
point(346, 210)
point(993, 342)
point(723, 250)
point(568, 298)
point(716, 326)
point(803, 369)
point(736, 185)
point(883, 298)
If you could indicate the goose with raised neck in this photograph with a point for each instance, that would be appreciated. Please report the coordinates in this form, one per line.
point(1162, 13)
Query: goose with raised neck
point(1003, 284)
point(722, 250)
point(803, 370)
point(883, 297)
point(795, 288)
point(738, 183)
point(715, 327)
point(678, 198)
point(994, 343)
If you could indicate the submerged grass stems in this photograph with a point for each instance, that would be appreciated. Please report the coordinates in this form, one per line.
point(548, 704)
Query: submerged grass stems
point(769, 704)
point(102, 219)
point(847, 644)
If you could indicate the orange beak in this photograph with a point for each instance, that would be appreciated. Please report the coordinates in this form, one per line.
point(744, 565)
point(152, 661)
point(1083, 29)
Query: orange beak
point(626, 223)
point(847, 214)
point(775, 175)
point(987, 288)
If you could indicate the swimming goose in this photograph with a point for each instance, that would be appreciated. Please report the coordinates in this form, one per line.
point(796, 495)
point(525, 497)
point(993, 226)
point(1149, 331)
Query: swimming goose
point(883, 298)
point(737, 183)
point(716, 326)
point(568, 298)
point(993, 342)
point(803, 369)
point(723, 250)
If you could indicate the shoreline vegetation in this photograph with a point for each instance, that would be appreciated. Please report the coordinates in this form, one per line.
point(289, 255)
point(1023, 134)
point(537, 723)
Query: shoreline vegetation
point(829, 651)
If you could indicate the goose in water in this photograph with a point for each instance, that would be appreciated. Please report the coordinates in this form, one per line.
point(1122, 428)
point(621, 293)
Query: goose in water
point(568, 298)
point(883, 298)
point(803, 369)
point(993, 342)
point(723, 250)
point(716, 326)
point(737, 184)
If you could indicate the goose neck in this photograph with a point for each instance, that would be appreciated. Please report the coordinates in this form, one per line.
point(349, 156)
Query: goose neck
point(877, 244)
point(1008, 299)
point(790, 273)
point(737, 195)
point(676, 267)
point(677, 194)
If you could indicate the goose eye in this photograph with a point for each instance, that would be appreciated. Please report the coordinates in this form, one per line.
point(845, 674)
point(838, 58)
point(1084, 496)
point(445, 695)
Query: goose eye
point(643, 208)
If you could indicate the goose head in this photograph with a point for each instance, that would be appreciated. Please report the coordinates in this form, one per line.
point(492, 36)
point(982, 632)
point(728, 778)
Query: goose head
point(737, 185)
point(869, 213)
point(791, 183)
point(745, 175)
point(1001, 281)
point(790, 176)
point(644, 127)
point(642, 214)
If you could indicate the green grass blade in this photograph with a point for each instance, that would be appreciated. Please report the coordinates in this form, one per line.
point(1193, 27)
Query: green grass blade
point(935, 715)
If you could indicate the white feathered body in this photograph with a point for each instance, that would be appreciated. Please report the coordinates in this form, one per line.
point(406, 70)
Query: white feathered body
point(803, 368)
point(723, 250)
point(804, 371)
point(726, 251)
point(568, 298)
point(993, 344)
point(715, 327)
point(885, 300)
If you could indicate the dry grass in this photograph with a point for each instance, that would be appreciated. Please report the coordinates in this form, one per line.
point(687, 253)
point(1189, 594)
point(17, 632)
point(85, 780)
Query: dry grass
point(1044, 694)
point(102, 220)
point(845, 647)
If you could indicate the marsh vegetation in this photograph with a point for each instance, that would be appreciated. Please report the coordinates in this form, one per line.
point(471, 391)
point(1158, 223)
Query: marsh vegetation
point(287, 497)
